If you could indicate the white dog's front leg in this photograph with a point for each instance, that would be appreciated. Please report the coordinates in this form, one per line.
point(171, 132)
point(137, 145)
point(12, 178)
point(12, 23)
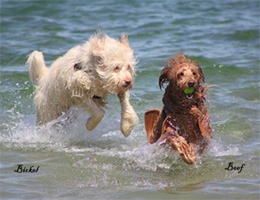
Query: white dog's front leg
point(128, 116)
point(96, 114)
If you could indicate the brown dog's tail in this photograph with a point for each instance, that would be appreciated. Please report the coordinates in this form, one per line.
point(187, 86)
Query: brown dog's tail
point(151, 118)
point(37, 67)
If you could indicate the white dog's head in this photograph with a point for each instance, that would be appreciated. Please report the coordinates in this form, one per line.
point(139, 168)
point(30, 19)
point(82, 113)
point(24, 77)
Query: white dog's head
point(106, 63)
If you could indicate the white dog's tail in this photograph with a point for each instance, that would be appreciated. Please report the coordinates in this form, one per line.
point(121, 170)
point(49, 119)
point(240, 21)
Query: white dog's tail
point(37, 67)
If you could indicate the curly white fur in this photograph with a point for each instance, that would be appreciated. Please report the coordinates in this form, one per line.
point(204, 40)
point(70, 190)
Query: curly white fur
point(83, 77)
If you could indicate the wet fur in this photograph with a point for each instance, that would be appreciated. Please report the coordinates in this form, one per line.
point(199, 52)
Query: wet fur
point(83, 77)
point(187, 113)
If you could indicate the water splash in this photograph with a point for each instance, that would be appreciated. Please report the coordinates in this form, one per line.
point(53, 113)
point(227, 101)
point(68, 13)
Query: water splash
point(69, 134)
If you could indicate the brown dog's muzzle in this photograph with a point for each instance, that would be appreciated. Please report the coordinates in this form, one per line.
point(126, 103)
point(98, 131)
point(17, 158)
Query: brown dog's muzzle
point(191, 83)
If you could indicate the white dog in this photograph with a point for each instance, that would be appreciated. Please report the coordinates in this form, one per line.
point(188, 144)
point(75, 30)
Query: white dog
point(83, 77)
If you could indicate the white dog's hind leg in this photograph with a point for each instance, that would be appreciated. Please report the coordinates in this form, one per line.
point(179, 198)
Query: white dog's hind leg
point(96, 114)
point(128, 116)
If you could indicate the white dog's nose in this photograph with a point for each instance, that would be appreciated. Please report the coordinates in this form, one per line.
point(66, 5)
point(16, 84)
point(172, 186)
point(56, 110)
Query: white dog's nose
point(127, 83)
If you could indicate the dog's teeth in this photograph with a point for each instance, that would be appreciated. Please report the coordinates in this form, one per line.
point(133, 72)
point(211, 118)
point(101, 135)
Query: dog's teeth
point(189, 97)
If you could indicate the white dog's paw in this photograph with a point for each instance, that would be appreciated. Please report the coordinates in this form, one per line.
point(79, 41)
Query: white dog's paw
point(93, 122)
point(90, 125)
point(127, 124)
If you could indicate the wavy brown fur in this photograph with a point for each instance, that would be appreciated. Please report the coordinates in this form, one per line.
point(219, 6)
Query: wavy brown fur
point(187, 112)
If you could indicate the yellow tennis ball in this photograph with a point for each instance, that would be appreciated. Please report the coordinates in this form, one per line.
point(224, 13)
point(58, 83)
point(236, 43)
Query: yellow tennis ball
point(188, 90)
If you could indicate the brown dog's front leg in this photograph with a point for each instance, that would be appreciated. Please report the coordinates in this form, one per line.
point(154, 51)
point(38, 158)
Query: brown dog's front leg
point(203, 121)
point(185, 150)
point(178, 142)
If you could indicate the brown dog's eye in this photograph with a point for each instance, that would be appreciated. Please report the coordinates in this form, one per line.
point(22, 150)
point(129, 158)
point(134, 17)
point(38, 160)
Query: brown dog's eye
point(77, 66)
point(180, 74)
point(194, 73)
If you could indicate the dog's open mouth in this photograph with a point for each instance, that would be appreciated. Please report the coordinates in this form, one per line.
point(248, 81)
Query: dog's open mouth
point(189, 96)
point(189, 92)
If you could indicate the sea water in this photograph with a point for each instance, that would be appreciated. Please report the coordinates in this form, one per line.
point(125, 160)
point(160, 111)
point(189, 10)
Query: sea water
point(67, 161)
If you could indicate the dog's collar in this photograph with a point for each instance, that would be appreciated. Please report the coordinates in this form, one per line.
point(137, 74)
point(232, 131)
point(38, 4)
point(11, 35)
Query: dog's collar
point(166, 112)
point(97, 97)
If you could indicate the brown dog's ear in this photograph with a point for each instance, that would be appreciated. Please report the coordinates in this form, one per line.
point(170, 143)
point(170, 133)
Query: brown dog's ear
point(164, 77)
point(202, 77)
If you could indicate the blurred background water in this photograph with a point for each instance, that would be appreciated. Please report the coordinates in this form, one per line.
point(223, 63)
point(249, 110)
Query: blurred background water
point(223, 36)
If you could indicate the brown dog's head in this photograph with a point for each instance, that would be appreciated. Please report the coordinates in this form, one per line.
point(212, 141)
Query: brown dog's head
point(183, 75)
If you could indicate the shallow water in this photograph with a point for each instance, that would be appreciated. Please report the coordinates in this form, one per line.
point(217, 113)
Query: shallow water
point(223, 36)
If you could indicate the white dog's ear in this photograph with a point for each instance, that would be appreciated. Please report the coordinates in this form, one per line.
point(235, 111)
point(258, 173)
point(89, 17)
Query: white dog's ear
point(97, 44)
point(124, 39)
point(98, 61)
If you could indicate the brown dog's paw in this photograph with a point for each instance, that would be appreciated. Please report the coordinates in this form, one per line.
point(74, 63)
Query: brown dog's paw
point(204, 124)
point(203, 121)
point(196, 112)
point(185, 150)
point(179, 144)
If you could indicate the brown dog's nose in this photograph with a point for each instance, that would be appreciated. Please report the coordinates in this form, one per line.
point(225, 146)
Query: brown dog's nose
point(191, 83)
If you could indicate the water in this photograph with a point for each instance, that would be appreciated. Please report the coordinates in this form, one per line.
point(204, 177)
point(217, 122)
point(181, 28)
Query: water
point(223, 36)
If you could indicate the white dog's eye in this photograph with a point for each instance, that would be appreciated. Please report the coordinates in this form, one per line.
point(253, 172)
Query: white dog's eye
point(77, 66)
point(117, 68)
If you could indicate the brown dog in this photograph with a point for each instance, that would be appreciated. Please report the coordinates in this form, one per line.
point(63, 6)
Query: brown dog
point(183, 122)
